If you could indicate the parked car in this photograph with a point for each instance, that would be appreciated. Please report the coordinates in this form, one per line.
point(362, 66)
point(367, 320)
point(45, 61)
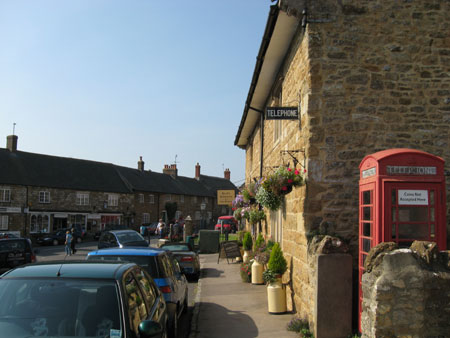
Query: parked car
point(186, 257)
point(81, 299)
point(15, 252)
point(229, 223)
point(121, 238)
point(57, 237)
point(109, 227)
point(4, 235)
point(164, 270)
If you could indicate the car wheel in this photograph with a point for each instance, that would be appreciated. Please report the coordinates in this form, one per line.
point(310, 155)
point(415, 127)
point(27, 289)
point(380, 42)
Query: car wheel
point(55, 242)
point(174, 325)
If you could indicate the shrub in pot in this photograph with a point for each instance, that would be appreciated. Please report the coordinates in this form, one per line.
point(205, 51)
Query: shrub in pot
point(247, 243)
point(276, 292)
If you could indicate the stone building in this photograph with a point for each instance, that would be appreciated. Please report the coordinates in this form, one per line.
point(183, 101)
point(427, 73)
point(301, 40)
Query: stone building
point(365, 76)
point(41, 193)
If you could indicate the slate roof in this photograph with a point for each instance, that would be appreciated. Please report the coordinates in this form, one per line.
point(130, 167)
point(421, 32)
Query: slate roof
point(23, 168)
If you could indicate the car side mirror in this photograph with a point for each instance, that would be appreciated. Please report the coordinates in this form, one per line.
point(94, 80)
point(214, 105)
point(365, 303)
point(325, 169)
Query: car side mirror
point(150, 328)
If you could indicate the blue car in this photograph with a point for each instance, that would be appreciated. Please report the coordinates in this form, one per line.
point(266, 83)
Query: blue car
point(165, 271)
point(81, 299)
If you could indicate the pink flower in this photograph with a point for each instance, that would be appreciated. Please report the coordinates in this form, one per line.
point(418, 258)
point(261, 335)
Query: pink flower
point(290, 181)
point(304, 170)
point(289, 169)
point(284, 188)
point(296, 172)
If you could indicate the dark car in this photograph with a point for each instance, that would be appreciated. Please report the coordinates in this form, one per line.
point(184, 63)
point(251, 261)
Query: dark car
point(164, 270)
point(58, 237)
point(109, 227)
point(150, 228)
point(121, 239)
point(186, 257)
point(81, 299)
point(15, 252)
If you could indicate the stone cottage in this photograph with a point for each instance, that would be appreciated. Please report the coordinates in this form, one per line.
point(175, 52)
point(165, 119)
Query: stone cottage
point(365, 76)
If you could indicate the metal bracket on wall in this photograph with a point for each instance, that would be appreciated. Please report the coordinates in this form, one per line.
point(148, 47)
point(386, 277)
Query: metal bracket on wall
point(294, 158)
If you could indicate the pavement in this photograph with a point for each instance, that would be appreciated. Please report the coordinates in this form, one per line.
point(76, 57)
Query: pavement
point(227, 307)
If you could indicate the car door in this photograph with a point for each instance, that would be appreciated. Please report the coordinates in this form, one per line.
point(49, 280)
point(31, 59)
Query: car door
point(152, 296)
point(179, 278)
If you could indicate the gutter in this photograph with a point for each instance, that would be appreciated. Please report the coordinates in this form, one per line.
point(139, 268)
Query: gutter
point(270, 26)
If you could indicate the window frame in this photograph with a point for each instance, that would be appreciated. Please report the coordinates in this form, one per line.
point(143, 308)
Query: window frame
point(3, 193)
point(83, 198)
point(151, 199)
point(113, 200)
point(44, 196)
point(4, 222)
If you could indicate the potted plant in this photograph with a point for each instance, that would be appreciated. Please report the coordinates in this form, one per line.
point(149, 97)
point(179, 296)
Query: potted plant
point(283, 180)
point(255, 215)
point(246, 272)
point(276, 292)
point(247, 243)
point(268, 199)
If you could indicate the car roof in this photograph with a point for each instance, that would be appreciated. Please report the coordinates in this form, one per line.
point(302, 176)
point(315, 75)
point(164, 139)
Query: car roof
point(71, 269)
point(135, 251)
point(226, 217)
point(120, 231)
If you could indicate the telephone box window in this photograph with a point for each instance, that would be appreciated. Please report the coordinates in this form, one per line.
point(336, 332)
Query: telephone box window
point(367, 213)
point(394, 233)
point(366, 229)
point(366, 244)
point(410, 231)
point(367, 197)
point(431, 197)
point(412, 214)
point(432, 231)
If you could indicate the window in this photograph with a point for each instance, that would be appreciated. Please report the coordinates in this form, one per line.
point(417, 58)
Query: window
point(44, 196)
point(113, 200)
point(5, 195)
point(146, 287)
point(277, 130)
point(141, 198)
point(3, 222)
point(181, 198)
point(39, 223)
point(177, 214)
point(194, 199)
point(136, 305)
point(205, 200)
point(82, 198)
point(276, 230)
point(168, 198)
point(145, 218)
point(151, 199)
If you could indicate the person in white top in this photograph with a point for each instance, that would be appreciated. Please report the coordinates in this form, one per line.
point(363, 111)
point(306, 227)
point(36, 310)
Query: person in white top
point(160, 228)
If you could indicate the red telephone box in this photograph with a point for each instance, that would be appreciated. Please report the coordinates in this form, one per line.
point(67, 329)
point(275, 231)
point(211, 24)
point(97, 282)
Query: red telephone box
point(401, 199)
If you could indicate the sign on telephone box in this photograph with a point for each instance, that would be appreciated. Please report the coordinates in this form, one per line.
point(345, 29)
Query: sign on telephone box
point(401, 199)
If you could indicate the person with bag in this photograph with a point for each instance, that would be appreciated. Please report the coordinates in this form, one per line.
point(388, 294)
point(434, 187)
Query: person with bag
point(72, 243)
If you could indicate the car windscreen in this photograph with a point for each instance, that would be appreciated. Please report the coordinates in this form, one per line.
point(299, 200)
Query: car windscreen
point(13, 245)
point(176, 247)
point(127, 237)
point(58, 307)
point(225, 221)
point(147, 262)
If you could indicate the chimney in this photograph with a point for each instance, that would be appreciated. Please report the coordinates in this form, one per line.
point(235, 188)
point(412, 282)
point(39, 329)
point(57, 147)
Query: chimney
point(171, 170)
point(140, 164)
point(197, 171)
point(11, 143)
point(227, 174)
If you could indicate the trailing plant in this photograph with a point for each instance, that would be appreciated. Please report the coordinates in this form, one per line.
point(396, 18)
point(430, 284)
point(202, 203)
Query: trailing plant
point(268, 199)
point(282, 180)
point(238, 214)
point(238, 202)
point(246, 272)
point(277, 262)
point(247, 241)
point(255, 215)
point(262, 255)
point(249, 192)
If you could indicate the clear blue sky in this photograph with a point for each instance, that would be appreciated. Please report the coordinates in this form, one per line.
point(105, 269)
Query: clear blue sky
point(112, 80)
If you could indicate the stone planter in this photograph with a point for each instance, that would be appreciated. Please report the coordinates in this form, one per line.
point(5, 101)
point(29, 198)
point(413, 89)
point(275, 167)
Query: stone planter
point(257, 273)
point(276, 297)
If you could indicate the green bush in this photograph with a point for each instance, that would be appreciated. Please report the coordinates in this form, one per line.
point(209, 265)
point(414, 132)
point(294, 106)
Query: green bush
point(277, 262)
point(259, 241)
point(248, 241)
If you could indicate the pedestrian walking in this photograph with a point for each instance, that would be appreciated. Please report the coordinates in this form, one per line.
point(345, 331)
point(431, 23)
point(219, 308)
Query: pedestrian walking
point(142, 230)
point(72, 243)
point(160, 229)
point(68, 242)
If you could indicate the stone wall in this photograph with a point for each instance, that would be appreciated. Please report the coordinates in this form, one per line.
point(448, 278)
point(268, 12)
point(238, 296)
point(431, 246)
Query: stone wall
point(407, 293)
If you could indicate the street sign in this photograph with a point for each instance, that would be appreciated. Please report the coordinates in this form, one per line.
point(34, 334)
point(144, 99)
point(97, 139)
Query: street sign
point(225, 197)
point(281, 113)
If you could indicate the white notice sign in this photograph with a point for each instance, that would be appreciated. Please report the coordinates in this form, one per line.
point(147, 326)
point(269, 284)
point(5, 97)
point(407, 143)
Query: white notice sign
point(413, 197)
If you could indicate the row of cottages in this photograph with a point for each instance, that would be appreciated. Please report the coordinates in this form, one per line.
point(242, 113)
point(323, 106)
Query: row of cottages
point(366, 76)
point(41, 193)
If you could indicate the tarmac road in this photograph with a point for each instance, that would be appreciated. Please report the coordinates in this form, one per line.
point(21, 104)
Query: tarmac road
point(49, 253)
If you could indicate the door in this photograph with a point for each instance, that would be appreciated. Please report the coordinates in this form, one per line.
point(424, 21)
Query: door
point(367, 230)
point(411, 212)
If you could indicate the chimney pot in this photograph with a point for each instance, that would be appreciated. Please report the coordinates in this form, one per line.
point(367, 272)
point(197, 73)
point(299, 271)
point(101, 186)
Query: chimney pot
point(227, 174)
point(141, 164)
point(197, 171)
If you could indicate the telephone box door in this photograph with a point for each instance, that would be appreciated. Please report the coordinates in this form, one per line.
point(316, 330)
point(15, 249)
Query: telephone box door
point(412, 213)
